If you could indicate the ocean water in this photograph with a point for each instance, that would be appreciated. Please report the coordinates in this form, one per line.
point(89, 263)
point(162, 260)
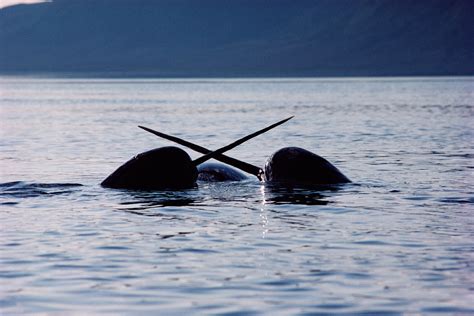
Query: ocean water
point(399, 239)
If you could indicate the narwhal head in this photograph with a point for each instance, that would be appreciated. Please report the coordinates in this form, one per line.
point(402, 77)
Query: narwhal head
point(297, 166)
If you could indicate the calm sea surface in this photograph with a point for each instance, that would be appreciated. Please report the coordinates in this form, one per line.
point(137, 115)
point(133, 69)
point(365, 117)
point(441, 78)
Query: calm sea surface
point(400, 239)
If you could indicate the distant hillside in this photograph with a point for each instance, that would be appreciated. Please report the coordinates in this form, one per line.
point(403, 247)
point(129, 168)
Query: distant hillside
point(240, 37)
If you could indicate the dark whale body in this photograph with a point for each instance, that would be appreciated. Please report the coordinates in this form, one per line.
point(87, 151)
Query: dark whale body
point(298, 166)
point(160, 168)
point(217, 172)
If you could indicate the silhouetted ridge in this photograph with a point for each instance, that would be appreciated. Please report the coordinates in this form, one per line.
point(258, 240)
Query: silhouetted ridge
point(240, 37)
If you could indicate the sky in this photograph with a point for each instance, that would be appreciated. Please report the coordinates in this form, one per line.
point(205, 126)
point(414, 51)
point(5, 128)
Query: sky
point(6, 3)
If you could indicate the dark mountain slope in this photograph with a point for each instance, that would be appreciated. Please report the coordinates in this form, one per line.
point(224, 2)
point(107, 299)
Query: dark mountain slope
point(240, 37)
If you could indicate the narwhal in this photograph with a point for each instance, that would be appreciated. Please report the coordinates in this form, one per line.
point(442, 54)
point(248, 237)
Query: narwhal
point(292, 166)
point(170, 167)
point(212, 171)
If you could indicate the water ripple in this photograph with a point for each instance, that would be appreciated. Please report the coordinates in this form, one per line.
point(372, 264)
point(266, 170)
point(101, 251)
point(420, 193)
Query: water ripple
point(397, 241)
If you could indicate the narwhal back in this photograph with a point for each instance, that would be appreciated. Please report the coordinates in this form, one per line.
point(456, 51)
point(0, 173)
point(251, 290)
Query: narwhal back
point(160, 168)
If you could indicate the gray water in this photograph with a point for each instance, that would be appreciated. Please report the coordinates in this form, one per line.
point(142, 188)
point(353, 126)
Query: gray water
point(399, 239)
